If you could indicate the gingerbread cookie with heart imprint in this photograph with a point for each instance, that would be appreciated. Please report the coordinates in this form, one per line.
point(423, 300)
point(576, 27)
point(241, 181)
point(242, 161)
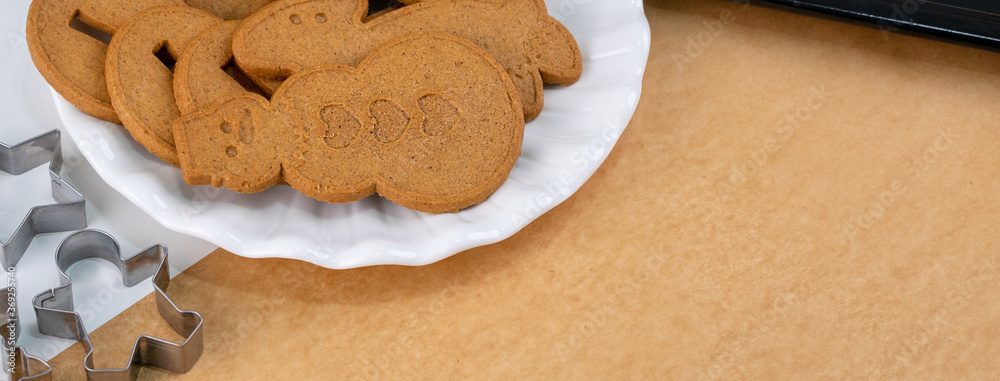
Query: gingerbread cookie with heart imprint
point(429, 121)
point(289, 36)
point(68, 42)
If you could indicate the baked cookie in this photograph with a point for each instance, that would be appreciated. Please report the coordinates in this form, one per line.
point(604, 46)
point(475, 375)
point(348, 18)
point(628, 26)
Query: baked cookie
point(229, 9)
point(288, 36)
point(428, 121)
point(70, 59)
point(206, 71)
point(139, 77)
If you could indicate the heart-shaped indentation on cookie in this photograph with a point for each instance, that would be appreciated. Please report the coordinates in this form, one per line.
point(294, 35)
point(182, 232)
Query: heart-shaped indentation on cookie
point(440, 114)
point(341, 126)
point(390, 120)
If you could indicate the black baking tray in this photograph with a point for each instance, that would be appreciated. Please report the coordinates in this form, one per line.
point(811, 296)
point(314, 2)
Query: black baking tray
point(971, 21)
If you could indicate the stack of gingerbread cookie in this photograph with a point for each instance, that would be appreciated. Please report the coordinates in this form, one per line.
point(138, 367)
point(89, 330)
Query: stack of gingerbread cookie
point(424, 104)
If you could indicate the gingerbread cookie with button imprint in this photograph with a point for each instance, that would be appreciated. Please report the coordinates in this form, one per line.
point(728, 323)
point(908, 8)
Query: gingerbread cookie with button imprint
point(229, 9)
point(429, 121)
point(67, 40)
point(288, 36)
point(206, 71)
point(139, 76)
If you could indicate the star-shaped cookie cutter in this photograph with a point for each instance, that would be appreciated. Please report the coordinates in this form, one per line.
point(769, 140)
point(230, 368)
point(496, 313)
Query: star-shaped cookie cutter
point(57, 318)
point(69, 212)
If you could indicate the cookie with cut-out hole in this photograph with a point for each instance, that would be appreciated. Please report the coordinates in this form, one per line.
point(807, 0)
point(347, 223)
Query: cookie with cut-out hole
point(68, 42)
point(206, 71)
point(288, 36)
point(429, 121)
point(139, 72)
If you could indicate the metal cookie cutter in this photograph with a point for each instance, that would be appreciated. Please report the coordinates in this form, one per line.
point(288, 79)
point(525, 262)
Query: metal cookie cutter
point(67, 213)
point(21, 365)
point(56, 317)
point(29, 368)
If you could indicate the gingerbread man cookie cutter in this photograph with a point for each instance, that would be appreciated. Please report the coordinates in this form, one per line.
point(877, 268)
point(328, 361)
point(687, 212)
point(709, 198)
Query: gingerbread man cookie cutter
point(29, 368)
point(54, 308)
point(57, 318)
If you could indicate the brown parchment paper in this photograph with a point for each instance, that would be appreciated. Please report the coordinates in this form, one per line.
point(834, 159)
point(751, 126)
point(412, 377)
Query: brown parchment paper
point(795, 198)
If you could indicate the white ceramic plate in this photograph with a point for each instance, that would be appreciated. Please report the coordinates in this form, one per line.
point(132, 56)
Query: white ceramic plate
point(562, 148)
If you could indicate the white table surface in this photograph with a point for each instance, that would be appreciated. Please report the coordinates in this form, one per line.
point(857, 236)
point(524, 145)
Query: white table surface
point(28, 110)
